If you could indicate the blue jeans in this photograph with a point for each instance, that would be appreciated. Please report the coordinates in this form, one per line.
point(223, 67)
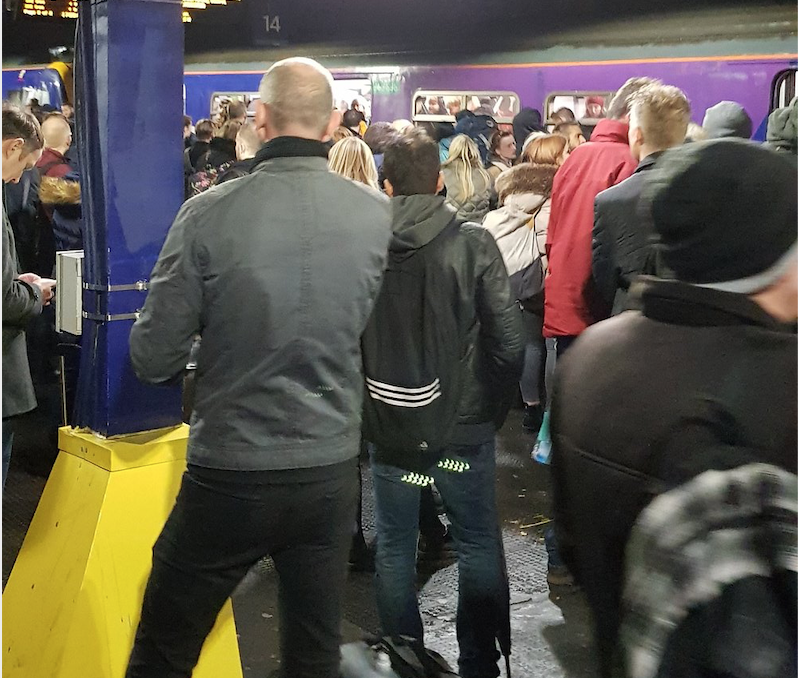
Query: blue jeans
point(562, 344)
point(483, 594)
point(8, 442)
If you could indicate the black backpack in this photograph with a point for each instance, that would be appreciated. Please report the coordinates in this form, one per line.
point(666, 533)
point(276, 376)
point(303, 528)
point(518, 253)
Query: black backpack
point(412, 349)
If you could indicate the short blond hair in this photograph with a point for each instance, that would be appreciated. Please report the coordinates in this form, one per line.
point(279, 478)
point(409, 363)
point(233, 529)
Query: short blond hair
point(662, 112)
point(352, 158)
point(298, 91)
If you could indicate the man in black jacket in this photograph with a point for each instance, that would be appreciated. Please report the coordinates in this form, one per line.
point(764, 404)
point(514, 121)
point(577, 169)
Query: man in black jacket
point(702, 377)
point(24, 294)
point(658, 120)
point(474, 280)
point(277, 272)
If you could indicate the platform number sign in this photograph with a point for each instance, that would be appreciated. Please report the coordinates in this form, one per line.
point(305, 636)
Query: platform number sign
point(272, 22)
point(268, 24)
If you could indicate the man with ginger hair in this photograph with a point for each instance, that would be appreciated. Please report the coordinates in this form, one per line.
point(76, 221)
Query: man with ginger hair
point(658, 119)
point(280, 298)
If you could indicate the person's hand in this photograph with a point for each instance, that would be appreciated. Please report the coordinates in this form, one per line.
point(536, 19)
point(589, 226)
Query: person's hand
point(30, 278)
point(47, 286)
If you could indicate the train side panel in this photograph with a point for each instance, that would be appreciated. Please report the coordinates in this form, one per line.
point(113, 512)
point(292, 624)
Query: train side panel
point(705, 81)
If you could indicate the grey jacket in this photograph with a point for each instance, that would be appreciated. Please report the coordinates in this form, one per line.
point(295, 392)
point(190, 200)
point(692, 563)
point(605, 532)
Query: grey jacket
point(472, 208)
point(278, 272)
point(21, 303)
point(520, 227)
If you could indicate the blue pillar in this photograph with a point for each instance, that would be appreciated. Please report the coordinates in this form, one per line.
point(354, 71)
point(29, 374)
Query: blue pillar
point(129, 88)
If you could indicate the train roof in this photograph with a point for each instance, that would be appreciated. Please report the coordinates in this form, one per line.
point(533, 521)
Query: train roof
point(754, 30)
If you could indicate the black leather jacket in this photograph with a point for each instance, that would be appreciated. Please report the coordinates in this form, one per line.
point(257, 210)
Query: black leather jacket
point(493, 350)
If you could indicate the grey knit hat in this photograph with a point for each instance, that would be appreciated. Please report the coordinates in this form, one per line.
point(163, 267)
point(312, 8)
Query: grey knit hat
point(727, 119)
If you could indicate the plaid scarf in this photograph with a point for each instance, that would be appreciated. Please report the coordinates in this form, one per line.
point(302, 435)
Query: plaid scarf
point(691, 542)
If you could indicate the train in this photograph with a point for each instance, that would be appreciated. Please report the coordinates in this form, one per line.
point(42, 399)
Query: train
point(748, 56)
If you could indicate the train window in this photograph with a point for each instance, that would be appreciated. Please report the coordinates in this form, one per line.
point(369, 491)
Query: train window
point(221, 100)
point(782, 91)
point(345, 92)
point(587, 107)
point(442, 106)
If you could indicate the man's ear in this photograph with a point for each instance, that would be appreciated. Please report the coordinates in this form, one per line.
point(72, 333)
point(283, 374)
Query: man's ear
point(636, 137)
point(263, 121)
point(388, 188)
point(11, 146)
point(441, 183)
point(335, 123)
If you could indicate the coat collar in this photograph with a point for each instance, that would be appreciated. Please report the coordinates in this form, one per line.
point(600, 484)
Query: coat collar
point(680, 303)
point(648, 162)
point(291, 147)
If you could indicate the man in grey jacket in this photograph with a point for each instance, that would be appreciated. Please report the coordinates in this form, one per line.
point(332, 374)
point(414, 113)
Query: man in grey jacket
point(23, 294)
point(278, 272)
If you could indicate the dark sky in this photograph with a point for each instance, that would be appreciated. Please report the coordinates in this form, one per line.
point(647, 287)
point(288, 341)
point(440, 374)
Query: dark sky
point(471, 25)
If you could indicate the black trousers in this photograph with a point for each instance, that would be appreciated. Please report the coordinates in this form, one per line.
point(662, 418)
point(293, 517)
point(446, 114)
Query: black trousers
point(220, 527)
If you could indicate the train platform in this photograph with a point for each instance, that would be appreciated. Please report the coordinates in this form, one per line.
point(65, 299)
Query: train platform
point(551, 630)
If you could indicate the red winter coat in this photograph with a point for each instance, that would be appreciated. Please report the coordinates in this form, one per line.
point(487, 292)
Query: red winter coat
point(54, 164)
point(571, 301)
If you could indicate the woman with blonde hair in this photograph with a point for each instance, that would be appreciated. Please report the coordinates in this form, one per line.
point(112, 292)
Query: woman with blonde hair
point(520, 227)
point(469, 188)
point(551, 149)
point(352, 158)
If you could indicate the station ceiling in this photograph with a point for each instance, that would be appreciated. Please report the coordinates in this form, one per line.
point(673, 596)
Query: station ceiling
point(467, 26)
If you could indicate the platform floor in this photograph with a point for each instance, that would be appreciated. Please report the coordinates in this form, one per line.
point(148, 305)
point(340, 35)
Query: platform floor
point(551, 631)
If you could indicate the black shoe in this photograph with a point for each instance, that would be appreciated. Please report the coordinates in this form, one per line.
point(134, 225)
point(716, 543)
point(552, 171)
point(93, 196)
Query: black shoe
point(435, 554)
point(533, 418)
point(559, 575)
point(361, 557)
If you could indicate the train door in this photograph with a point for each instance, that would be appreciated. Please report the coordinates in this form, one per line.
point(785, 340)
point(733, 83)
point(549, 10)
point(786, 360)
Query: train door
point(782, 90)
point(346, 91)
point(350, 89)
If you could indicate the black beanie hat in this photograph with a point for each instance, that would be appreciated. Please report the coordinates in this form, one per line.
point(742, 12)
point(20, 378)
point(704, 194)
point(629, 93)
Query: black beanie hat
point(724, 212)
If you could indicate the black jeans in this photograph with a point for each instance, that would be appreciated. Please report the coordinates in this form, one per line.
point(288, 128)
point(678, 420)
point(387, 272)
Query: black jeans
point(220, 527)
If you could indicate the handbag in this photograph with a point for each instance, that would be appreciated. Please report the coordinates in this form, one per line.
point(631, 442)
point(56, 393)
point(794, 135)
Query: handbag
point(531, 282)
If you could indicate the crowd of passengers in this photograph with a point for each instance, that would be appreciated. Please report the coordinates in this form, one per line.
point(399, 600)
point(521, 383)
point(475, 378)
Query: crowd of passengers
point(660, 256)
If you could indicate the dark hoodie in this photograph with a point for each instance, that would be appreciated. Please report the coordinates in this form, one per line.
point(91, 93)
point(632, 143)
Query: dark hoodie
point(479, 296)
point(527, 120)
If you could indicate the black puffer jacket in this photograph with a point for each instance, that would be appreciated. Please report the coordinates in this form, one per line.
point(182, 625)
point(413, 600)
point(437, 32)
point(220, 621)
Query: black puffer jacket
point(700, 379)
point(621, 238)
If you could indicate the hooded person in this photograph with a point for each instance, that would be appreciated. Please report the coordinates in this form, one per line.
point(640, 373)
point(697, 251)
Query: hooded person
point(465, 282)
point(727, 119)
point(782, 133)
point(700, 376)
point(519, 227)
point(60, 197)
point(526, 121)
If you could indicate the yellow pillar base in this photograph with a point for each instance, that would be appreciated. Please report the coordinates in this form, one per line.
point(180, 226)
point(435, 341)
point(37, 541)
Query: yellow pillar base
point(72, 602)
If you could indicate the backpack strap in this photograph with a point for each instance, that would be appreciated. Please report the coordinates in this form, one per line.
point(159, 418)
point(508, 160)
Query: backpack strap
point(531, 225)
